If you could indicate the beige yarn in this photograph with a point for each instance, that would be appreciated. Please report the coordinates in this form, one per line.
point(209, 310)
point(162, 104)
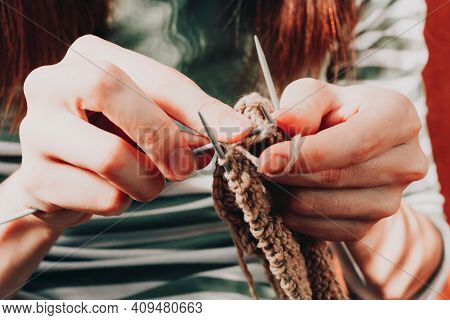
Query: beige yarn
point(296, 269)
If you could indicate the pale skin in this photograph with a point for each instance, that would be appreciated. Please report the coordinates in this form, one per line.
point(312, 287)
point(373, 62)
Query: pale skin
point(360, 151)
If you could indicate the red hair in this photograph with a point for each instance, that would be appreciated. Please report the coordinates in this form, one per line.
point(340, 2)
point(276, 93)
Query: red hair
point(301, 35)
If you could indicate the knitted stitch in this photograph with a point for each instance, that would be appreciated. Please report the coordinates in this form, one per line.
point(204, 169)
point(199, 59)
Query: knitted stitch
point(296, 268)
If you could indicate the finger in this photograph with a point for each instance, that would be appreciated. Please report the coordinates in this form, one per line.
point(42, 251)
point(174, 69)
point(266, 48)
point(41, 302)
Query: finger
point(79, 143)
point(61, 219)
point(86, 87)
point(194, 140)
point(76, 189)
point(302, 106)
point(349, 143)
point(328, 229)
point(368, 133)
point(179, 96)
point(389, 168)
point(202, 159)
point(369, 203)
point(100, 121)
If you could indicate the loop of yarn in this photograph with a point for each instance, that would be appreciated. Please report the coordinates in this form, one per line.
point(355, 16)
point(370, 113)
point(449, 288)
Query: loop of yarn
point(297, 266)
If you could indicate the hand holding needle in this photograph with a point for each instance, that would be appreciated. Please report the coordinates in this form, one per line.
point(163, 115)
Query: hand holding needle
point(268, 78)
point(341, 246)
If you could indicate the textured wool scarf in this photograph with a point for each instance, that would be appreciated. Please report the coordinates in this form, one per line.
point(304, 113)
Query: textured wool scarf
point(297, 266)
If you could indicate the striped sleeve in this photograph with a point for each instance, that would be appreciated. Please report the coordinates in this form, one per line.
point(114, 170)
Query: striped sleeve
point(391, 53)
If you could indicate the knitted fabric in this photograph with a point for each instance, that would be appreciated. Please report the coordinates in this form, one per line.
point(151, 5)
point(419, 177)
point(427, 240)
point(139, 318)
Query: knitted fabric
point(297, 266)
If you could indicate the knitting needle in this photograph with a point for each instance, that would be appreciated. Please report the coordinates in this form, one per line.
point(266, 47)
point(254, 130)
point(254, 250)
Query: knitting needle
point(211, 137)
point(267, 76)
point(202, 149)
point(213, 140)
point(5, 218)
point(210, 146)
point(267, 114)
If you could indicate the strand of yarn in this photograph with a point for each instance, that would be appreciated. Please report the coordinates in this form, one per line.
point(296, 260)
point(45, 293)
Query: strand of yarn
point(243, 264)
point(319, 263)
point(295, 271)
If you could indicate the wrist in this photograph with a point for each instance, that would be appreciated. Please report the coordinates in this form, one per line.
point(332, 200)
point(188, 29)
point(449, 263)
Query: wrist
point(14, 198)
point(13, 195)
point(43, 233)
point(34, 240)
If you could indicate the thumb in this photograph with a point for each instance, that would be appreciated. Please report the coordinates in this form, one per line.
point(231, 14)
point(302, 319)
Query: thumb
point(303, 105)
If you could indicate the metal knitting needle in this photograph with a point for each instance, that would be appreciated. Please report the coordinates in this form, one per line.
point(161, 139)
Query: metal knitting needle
point(267, 76)
point(5, 218)
point(213, 140)
point(267, 115)
point(210, 146)
point(211, 137)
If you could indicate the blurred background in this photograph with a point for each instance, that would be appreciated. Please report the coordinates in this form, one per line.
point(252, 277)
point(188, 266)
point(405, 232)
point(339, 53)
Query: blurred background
point(437, 83)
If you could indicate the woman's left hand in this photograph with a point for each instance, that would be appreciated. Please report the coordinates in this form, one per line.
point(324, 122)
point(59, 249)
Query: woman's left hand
point(358, 153)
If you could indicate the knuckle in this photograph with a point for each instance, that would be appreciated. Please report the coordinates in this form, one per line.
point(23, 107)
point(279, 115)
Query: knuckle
point(84, 42)
point(363, 152)
point(388, 207)
point(25, 129)
point(304, 83)
point(302, 86)
point(365, 228)
point(407, 112)
point(304, 203)
point(308, 159)
point(415, 123)
point(358, 234)
point(115, 203)
point(30, 136)
point(403, 103)
point(108, 79)
point(332, 177)
point(157, 188)
point(151, 139)
point(34, 81)
point(417, 169)
point(360, 230)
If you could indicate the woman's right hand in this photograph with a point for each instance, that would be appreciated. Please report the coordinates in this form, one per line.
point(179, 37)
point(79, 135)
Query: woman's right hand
point(74, 161)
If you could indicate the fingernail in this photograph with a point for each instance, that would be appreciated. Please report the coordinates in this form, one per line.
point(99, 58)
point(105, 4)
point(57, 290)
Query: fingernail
point(181, 163)
point(274, 164)
point(233, 127)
